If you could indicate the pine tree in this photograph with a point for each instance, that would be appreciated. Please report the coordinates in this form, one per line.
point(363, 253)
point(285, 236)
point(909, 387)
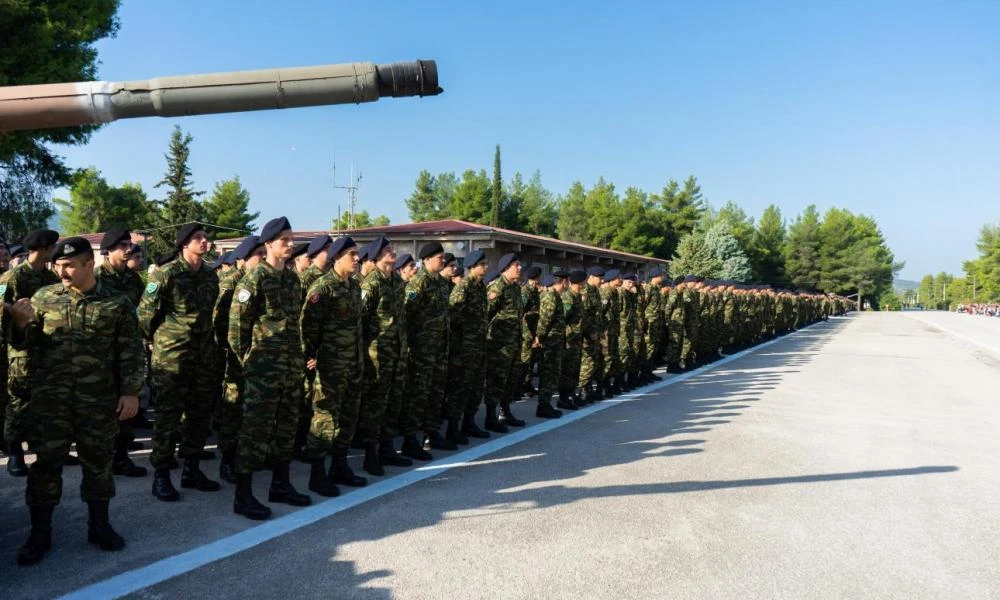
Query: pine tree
point(95, 206)
point(572, 221)
point(228, 209)
point(766, 248)
point(181, 204)
point(694, 257)
point(802, 251)
point(426, 203)
point(725, 248)
point(497, 189)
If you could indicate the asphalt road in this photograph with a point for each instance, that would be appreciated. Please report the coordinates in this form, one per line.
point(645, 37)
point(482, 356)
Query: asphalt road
point(854, 459)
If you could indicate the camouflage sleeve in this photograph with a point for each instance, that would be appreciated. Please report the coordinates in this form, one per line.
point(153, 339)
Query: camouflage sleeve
point(220, 316)
point(25, 339)
point(370, 298)
point(150, 310)
point(494, 301)
point(546, 311)
point(5, 298)
point(128, 353)
point(311, 320)
point(413, 302)
point(242, 315)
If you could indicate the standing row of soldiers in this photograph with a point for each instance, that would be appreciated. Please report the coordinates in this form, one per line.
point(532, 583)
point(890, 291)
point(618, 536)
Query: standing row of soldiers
point(301, 351)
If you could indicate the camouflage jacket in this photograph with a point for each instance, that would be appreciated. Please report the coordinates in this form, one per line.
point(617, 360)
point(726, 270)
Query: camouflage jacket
point(611, 310)
point(591, 312)
point(468, 308)
point(20, 282)
point(504, 310)
point(308, 277)
point(264, 316)
point(426, 307)
point(331, 327)
point(574, 313)
point(551, 317)
point(654, 312)
point(175, 311)
point(530, 298)
point(82, 342)
point(381, 309)
point(223, 304)
point(126, 281)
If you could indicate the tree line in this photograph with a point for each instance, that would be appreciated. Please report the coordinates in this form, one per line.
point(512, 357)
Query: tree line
point(979, 282)
point(837, 251)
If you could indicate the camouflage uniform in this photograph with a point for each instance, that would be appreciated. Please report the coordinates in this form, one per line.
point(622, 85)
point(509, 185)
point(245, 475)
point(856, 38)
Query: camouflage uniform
point(551, 332)
point(611, 306)
point(175, 314)
point(627, 330)
point(691, 313)
point(503, 341)
point(468, 327)
point(306, 279)
point(20, 282)
point(229, 415)
point(84, 356)
point(654, 327)
point(382, 331)
point(264, 335)
point(427, 323)
point(331, 333)
point(526, 360)
point(592, 326)
point(570, 369)
point(398, 406)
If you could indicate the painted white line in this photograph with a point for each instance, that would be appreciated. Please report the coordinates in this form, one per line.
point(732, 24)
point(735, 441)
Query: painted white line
point(170, 567)
point(954, 333)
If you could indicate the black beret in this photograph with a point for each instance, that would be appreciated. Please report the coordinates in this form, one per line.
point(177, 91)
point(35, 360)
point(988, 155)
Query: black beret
point(115, 237)
point(317, 244)
point(402, 261)
point(491, 276)
point(40, 238)
point(70, 247)
point(274, 227)
point(654, 272)
point(459, 271)
point(689, 278)
point(595, 272)
point(474, 258)
point(136, 249)
point(299, 249)
point(430, 249)
point(505, 261)
point(561, 273)
point(339, 245)
point(449, 258)
point(16, 250)
point(364, 252)
point(612, 275)
point(228, 258)
point(377, 245)
point(246, 247)
point(630, 276)
point(186, 231)
point(534, 272)
point(679, 279)
point(577, 276)
point(165, 258)
point(666, 282)
point(548, 281)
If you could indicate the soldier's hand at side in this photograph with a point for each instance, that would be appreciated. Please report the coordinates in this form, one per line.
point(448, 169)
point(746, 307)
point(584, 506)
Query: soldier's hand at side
point(311, 364)
point(536, 344)
point(128, 406)
point(21, 312)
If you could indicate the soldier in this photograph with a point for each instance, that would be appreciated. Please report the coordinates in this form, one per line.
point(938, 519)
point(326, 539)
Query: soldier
point(468, 348)
point(114, 274)
point(175, 314)
point(592, 328)
point(457, 275)
point(18, 255)
point(570, 370)
point(503, 343)
point(628, 326)
point(525, 365)
point(611, 307)
point(137, 258)
point(383, 335)
point(333, 345)
point(448, 272)
point(230, 413)
point(654, 325)
point(550, 337)
point(397, 412)
point(316, 252)
point(264, 336)
point(691, 300)
point(22, 281)
point(427, 322)
point(85, 377)
point(367, 260)
point(406, 267)
point(300, 262)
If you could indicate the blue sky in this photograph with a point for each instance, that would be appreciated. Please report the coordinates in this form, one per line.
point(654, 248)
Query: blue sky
point(887, 108)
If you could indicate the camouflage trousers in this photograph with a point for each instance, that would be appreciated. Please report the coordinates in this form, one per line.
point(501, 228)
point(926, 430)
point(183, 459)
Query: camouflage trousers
point(550, 357)
point(230, 413)
point(569, 372)
point(454, 394)
point(626, 351)
point(591, 362)
point(675, 343)
point(502, 358)
point(427, 376)
point(272, 395)
point(527, 360)
point(466, 378)
point(4, 395)
point(654, 344)
point(689, 345)
point(612, 366)
point(51, 425)
point(381, 364)
point(184, 391)
point(18, 394)
point(336, 406)
point(397, 402)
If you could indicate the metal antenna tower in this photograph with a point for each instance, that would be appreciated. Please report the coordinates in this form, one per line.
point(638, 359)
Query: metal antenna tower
point(352, 194)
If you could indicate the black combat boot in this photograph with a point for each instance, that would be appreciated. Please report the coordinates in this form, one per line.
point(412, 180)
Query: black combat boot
point(121, 464)
point(436, 441)
point(227, 466)
point(99, 529)
point(414, 449)
point(282, 489)
point(244, 503)
point(387, 455)
point(16, 466)
point(453, 433)
point(565, 401)
point(340, 471)
point(372, 464)
point(193, 478)
point(492, 422)
point(470, 429)
point(39, 541)
point(545, 411)
point(597, 389)
point(319, 482)
point(163, 489)
point(507, 417)
point(198, 455)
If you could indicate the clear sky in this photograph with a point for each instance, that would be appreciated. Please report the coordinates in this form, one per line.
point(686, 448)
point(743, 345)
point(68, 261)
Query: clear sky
point(885, 108)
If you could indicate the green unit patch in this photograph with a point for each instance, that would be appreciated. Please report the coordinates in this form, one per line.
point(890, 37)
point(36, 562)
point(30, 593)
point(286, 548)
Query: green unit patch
point(411, 294)
point(152, 287)
point(3, 289)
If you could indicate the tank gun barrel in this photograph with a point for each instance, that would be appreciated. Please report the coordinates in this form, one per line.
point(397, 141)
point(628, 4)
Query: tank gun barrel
point(92, 102)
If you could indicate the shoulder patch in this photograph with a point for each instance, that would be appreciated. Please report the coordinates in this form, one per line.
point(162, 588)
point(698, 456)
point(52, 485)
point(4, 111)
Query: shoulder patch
point(492, 295)
point(312, 299)
point(151, 287)
point(411, 294)
point(243, 295)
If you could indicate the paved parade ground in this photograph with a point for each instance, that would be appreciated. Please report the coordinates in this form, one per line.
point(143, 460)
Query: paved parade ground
point(854, 459)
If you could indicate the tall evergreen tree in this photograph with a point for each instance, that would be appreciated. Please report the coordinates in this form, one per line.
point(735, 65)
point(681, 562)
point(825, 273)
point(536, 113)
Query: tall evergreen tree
point(682, 209)
point(181, 204)
point(802, 250)
point(538, 207)
point(766, 248)
point(96, 206)
point(572, 222)
point(473, 198)
point(424, 204)
point(497, 189)
point(694, 257)
point(733, 262)
point(228, 209)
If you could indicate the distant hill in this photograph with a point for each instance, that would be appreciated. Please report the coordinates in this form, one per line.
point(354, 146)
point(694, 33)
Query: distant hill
point(905, 284)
